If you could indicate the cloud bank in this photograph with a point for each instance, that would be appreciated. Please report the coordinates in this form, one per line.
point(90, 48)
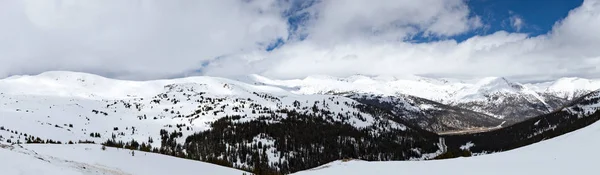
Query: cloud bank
point(568, 50)
point(158, 39)
point(131, 39)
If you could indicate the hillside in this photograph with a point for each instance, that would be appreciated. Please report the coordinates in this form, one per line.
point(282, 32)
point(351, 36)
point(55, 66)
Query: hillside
point(572, 153)
point(430, 115)
point(68, 106)
point(578, 114)
point(506, 144)
point(235, 124)
point(35, 159)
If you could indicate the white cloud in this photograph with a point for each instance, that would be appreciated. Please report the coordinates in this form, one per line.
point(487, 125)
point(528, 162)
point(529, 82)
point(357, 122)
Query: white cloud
point(131, 39)
point(388, 20)
point(157, 39)
point(570, 49)
point(516, 21)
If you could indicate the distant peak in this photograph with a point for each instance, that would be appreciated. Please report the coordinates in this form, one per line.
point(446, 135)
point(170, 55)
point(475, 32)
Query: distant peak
point(494, 81)
point(65, 74)
point(571, 79)
point(493, 84)
point(58, 75)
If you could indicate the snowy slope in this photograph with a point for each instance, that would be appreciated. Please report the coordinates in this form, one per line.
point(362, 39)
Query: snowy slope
point(572, 153)
point(588, 104)
point(491, 86)
point(569, 88)
point(504, 99)
point(487, 95)
point(69, 106)
point(89, 159)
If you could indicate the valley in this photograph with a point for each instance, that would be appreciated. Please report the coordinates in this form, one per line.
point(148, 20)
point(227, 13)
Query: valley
point(571, 153)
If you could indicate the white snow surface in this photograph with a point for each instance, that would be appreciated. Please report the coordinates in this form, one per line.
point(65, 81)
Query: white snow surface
point(572, 153)
point(90, 159)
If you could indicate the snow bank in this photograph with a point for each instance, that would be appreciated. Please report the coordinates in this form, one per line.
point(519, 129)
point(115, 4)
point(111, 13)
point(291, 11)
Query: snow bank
point(41, 159)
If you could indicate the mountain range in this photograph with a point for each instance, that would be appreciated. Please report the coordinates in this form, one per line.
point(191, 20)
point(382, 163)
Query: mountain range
point(270, 126)
point(497, 97)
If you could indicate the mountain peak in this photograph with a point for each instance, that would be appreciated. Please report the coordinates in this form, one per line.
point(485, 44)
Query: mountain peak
point(495, 84)
point(493, 81)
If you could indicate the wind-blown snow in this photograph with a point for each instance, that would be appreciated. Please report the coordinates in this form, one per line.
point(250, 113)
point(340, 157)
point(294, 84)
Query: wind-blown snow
point(572, 153)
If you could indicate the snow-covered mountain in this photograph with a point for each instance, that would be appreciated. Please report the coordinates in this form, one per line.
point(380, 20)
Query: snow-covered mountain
point(172, 116)
point(572, 153)
point(568, 88)
point(504, 99)
point(179, 103)
point(79, 104)
point(495, 96)
point(283, 126)
point(431, 115)
point(434, 89)
point(550, 156)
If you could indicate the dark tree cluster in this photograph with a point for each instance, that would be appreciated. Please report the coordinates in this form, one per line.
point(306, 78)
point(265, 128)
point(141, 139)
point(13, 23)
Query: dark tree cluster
point(302, 141)
point(169, 143)
point(99, 112)
point(131, 145)
point(95, 135)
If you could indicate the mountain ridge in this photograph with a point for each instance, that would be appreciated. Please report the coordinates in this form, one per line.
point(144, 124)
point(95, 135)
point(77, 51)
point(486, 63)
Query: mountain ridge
point(260, 127)
point(489, 95)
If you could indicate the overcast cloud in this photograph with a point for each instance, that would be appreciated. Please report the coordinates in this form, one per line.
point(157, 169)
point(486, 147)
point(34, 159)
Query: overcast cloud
point(131, 39)
point(157, 39)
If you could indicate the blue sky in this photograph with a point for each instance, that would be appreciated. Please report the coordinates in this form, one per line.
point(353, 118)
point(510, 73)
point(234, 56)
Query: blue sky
point(538, 17)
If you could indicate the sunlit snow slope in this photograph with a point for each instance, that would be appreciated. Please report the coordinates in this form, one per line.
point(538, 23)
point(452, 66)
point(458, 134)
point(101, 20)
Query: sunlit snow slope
point(49, 159)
